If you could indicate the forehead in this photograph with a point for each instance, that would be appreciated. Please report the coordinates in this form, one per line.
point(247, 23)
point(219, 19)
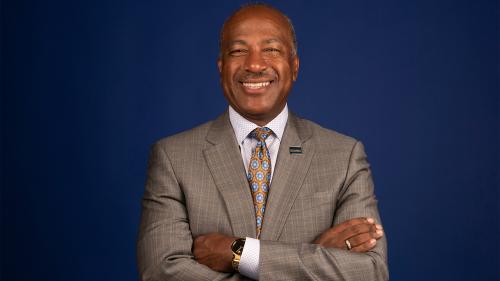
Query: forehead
point(257, 21)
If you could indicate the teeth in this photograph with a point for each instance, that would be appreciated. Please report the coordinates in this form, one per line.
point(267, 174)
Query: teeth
point(256, 85)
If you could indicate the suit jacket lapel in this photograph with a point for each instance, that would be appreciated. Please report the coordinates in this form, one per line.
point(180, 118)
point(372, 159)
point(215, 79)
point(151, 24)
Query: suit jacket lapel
point(226, 166)
point(289, 173)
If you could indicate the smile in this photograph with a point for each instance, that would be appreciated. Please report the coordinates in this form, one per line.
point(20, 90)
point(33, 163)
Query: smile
point(255, 86)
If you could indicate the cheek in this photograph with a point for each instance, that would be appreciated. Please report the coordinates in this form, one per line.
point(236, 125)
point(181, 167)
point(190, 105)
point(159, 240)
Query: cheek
point(229, 75)
point(284, 69)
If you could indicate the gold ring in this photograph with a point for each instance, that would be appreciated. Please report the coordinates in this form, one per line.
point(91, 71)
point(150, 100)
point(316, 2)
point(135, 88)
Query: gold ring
point(348, 244)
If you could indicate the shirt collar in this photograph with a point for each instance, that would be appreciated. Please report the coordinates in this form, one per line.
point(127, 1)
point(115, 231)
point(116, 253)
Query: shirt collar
point(242, 127)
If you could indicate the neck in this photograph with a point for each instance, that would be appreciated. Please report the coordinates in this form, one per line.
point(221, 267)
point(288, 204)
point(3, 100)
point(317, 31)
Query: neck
point(261, 119)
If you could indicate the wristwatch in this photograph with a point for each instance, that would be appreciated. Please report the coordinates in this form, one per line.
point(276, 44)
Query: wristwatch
point(237, 248)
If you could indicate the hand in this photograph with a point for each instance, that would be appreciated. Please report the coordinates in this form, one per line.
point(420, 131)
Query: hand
point(214, 251)
point(362, 233)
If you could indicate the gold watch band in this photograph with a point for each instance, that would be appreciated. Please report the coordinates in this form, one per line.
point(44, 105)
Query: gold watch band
point(236, 262)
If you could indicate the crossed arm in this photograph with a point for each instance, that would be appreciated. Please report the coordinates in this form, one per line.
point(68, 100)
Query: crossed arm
point(213, 249)
point(167, 251)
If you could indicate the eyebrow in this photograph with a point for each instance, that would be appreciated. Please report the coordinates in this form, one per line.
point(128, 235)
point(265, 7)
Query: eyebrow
point(234, 42)
point(243, 42)
point(272, 40)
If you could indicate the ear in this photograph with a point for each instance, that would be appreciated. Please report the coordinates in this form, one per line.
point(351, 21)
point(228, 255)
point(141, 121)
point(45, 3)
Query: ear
point(295, 67)
point(219, 65)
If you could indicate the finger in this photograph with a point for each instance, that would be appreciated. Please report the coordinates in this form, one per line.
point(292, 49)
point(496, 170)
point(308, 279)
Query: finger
point(379, 232)
point(365, 247)
point(335, 236)
point(356, 230)
point(337, 240)
point(352, 222)
point(360, 239)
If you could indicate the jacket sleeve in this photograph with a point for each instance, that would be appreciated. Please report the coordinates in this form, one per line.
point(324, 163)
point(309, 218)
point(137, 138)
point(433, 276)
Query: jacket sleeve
point(164, 242)
point(304, 261)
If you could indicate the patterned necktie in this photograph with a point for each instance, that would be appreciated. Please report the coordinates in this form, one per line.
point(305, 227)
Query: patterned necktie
point(259, 174)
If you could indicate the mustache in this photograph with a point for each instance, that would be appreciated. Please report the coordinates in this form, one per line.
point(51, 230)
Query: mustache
point(267, 75)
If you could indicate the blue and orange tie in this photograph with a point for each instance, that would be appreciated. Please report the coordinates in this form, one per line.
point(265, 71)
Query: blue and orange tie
point(259, 174)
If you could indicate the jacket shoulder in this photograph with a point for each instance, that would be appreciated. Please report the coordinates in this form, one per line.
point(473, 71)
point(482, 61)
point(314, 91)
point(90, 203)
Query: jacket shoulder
point(189, 139)
point(325, 136)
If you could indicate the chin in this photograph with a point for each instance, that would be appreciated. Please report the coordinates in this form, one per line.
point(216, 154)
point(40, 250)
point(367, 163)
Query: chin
point(257, 109)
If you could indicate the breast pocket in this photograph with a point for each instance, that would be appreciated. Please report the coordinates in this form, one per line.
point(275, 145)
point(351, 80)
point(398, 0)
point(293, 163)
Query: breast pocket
point(311, 214)
point(317, 202)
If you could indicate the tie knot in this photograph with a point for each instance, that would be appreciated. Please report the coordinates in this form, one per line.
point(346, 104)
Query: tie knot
point(261, 133)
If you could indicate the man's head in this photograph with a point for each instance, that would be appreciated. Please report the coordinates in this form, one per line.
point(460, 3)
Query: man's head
point(258, 61)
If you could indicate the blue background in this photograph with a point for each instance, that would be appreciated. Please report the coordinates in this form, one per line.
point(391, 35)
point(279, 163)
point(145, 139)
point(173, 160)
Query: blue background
point(88, 86)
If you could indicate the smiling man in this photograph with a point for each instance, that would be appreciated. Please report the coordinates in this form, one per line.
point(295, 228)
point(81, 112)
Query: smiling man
point(260, 193)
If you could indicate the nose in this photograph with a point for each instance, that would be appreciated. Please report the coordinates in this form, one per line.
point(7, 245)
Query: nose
point(255, 63)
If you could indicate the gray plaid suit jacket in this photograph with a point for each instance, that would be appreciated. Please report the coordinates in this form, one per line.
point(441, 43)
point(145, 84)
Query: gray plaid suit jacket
point(196, 184)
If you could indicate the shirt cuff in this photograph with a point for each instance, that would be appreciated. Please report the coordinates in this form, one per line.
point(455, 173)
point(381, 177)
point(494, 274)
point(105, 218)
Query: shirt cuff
point(249, 262)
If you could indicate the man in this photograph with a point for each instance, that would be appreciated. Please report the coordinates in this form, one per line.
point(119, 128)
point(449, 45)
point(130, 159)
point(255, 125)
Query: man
point(259, 193)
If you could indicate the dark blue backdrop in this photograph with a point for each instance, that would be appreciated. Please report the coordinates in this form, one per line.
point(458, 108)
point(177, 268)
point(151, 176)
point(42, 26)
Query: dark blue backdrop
point(87, 86)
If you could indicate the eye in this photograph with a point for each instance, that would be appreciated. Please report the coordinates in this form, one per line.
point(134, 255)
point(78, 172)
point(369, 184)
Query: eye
point(272, 50)
point(237, 52)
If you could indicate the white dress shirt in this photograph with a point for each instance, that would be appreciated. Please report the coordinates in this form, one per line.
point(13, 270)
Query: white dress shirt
point(249, 263)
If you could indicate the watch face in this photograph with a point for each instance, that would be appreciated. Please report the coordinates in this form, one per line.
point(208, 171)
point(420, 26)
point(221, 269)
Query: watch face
point(237, 246)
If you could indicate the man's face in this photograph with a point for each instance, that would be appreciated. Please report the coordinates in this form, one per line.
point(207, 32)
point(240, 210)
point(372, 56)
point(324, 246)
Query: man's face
point(257, 64)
